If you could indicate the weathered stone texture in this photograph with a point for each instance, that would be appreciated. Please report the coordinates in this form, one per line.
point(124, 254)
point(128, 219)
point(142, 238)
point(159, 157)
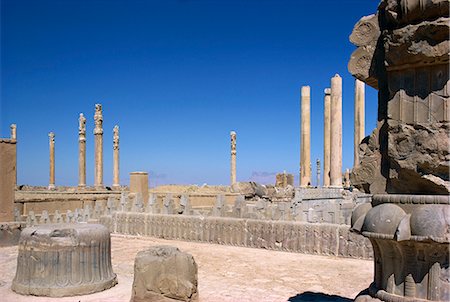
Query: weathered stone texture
point(419, 158)
point(164, 273)
point(10, 233)
point(282, 180)
point(320, 238)
point(410, 155)
point(58, 260)
point(139, 183)
point(408, 152)
point(7, 179)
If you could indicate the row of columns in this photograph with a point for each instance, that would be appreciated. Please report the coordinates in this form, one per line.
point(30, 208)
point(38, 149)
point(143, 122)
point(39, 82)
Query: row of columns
point(98, 152)
point(332, 161)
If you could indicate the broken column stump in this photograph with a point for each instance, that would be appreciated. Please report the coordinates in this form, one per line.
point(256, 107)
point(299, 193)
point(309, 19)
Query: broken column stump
point(164, 273)
point(57, 260)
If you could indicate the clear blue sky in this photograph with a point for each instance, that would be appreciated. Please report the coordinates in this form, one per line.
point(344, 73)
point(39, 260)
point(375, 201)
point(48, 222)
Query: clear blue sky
point(176, 76)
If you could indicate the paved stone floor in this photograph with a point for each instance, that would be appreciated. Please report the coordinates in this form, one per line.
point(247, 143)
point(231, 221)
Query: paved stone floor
point(226, 273)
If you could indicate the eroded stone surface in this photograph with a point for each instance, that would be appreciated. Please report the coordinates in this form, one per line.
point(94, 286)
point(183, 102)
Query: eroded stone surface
point(408, 154)
point(58, 260)
point(164, 273)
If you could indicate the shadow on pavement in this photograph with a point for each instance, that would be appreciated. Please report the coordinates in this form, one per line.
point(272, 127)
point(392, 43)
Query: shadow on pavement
point(318, 297)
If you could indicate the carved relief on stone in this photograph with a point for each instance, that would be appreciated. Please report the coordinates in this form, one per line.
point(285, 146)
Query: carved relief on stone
point(116, 137)
point(51, 137)
point(233, 142)
point(13, 131)
point(98, 119)
point(82, 124)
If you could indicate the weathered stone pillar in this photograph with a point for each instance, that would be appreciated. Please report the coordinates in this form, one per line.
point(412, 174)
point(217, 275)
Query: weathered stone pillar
point(13, 132)
point(98, 133)
point(116, 180)
point(305, 144)
point(14, 139)
point(318, 172)
point(359, 118)
point(139, 183)
point(51, 184)
point(326, 137)
point(336, 132)
point(82, 151)
point(406, 156)
point(233, 157)
point(347, 178)
point(8, 161)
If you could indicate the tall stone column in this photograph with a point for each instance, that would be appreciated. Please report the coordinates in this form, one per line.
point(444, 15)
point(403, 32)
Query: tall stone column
point(326, 137)
point(82, 151)
point(98, 133)
point(318, 172)
point(336, 132)
point(139, 183)
point(8, 175)
point(359, 118)
point(305, 144)
point(13, 132)
point(51, 184)
point(233, 157)
point(116, 180)
point(347, 178)
point(14, 139)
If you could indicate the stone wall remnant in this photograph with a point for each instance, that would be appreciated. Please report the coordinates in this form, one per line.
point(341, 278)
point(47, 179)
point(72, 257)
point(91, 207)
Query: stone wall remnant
point(139, 183)
point(291, 236)
point(282, 180)
point(8, 175)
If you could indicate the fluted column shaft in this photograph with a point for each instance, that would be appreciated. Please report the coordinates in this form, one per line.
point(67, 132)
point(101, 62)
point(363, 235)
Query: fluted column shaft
point(51, 184)
point(336, 132)
point(116, 180)
point(233, 158)
point(305, 144)
point(359, 118)
point(98, 133)
point(326, 137)
point(82, 151)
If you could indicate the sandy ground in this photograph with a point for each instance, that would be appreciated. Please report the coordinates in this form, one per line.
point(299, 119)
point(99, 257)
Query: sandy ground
point(226, 273)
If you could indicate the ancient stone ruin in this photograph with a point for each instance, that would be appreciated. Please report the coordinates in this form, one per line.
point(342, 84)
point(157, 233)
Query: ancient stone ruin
point(164, 273)
point(404, 53)
point(58, 260)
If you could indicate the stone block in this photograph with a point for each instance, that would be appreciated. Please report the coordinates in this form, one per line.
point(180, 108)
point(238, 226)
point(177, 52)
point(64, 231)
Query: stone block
point(7, 179)
point(10, 233)
point(139, 183)
point(164, 273)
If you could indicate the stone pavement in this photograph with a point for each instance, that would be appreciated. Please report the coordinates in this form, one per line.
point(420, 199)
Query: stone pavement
point(226, 273)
